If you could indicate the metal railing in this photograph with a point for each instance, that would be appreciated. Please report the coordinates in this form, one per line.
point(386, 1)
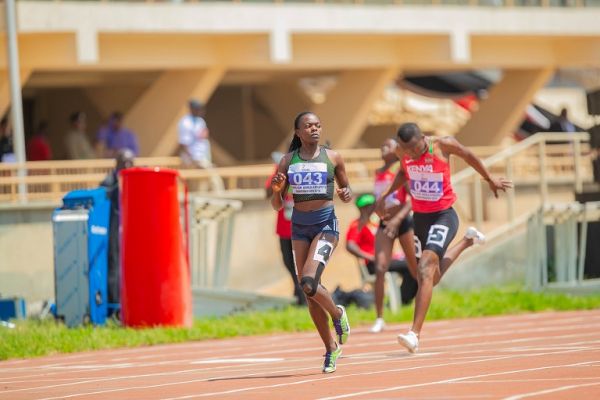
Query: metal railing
point(466, 3)
point(50, 180)
point(563, 266)
point(531, 162)
point(211, 230)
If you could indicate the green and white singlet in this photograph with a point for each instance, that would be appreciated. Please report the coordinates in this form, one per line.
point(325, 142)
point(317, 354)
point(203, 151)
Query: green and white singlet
point(311, 179)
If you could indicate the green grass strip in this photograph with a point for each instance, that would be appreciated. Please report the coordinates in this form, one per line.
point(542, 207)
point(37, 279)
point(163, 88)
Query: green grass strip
point(32, 338)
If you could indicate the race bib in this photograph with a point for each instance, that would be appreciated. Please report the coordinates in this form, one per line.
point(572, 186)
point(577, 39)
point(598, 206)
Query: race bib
point(391, 199)
point(308, 178)
point(426, 186)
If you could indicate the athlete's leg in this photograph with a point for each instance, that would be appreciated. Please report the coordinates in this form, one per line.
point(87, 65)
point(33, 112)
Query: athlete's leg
point(383, 254)
point(318, 255)
point(434, 231)
point(407, 242)
point(471, 237)
point(321, 248)
point(317, 313)
point(427, 271)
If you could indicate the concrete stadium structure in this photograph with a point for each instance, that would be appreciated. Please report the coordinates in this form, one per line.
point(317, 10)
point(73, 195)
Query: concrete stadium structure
point(245, 60)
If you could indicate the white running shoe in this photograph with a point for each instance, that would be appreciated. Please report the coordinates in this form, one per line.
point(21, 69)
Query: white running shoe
point(377, 326)
point(473, 233)
point(410, 341)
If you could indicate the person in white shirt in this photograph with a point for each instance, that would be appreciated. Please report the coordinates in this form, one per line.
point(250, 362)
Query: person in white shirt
point(194, 145)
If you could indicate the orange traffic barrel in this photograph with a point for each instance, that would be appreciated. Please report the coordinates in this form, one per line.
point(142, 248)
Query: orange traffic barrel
point(155, 276)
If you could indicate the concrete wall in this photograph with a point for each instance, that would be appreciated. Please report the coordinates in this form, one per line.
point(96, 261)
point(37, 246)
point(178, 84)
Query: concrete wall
point(503, 263)
point(26, 255)
point(27, 266)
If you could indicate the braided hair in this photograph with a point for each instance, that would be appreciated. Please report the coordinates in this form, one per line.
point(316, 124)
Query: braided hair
point(296, 143)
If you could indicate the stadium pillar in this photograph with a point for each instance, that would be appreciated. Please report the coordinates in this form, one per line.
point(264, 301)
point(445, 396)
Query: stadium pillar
point(283, 101)
point(5, 88)
point(502, 111)
point(155, 115)
point(346, 109)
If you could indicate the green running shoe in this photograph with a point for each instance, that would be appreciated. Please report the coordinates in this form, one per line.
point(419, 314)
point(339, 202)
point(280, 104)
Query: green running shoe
point(330, 360)
point(342, 326)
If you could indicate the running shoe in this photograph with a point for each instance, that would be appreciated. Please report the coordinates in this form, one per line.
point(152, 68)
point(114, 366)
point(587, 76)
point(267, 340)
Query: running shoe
point(410, 341)
point(342, 326)
point(473, 233)
point(378, 326)
point(331, 359)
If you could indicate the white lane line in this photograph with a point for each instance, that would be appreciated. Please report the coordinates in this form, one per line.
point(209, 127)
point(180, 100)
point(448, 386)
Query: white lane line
point(574, 378)
point(340, 377)
point(237, 360)
point(275, 352)
point(394, 348)
point(538, 319)
point(508, 328)
point(558, 389)
point(445, 381)
point(292, 370)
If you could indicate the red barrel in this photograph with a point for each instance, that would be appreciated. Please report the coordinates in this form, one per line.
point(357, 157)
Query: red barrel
point(155, 278)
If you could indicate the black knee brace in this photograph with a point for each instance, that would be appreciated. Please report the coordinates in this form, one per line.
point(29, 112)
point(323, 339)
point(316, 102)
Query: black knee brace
point(309, 285)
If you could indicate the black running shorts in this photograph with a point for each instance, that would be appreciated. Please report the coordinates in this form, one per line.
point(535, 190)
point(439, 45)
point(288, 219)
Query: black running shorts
point(435, 231)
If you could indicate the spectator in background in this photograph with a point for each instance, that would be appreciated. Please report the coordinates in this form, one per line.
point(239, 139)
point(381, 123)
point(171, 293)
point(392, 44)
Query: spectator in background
point(124, 159)
point(7, 152)
point(562, 123)
point(194, 145)
point(284, 231)
point(38, 148)
point(76, 141)
point(113, 137)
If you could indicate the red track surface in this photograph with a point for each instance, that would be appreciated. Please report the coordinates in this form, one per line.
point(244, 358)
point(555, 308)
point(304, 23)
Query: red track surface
point(542, 356)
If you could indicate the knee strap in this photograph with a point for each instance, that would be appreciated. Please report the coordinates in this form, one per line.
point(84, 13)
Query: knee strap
point(309, 285)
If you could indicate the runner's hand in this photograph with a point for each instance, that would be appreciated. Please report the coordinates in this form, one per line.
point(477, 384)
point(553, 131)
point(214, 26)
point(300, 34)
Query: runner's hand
point(278, 182)
point(380, 208)
point(499, 184)
point(391, 229)
point(344, 194)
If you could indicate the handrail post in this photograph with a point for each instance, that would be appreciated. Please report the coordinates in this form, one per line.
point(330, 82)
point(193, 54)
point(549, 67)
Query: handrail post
point(478, 199)
point(510, 195)
point(543, 247)
point(578, 178)
point(542, 164)
point(582, 244)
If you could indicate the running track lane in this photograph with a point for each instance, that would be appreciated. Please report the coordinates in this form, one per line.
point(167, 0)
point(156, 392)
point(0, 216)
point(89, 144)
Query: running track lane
point(553, 355)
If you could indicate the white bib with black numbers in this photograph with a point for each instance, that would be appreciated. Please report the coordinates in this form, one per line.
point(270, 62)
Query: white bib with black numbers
point(308, 178)
point(426, 186)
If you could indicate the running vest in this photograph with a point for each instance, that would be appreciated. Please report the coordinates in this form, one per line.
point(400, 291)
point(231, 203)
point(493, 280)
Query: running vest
point(383, 179)
point(429, 182)
point(311, 179)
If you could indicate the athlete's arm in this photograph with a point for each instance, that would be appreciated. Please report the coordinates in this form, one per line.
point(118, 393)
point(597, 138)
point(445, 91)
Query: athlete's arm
point(392, 226)
point(279, 183)
point(343, 189)
point(399, 180)
point(356, 251)
point(450, 145)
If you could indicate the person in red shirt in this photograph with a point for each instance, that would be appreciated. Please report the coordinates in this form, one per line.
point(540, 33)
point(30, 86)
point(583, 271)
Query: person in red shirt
point(360, 242)
point(283, 230)
point(38, 148)
point(426, 169)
